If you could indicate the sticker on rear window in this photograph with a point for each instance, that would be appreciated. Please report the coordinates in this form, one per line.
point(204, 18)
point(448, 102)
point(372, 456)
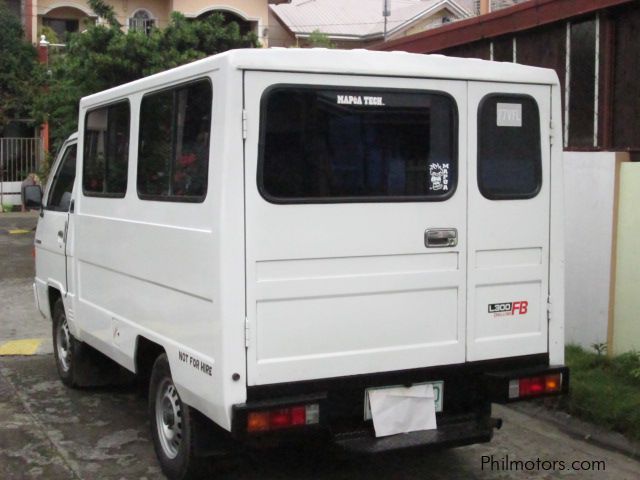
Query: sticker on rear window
point(438, 177)
point(509, 115)
point(359, 100)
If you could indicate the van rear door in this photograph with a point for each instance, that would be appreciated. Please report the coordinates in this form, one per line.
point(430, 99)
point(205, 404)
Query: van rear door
point(355, 195)
point(509, 212)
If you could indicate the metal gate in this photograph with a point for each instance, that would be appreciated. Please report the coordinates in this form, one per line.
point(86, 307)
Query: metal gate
point(18, 158)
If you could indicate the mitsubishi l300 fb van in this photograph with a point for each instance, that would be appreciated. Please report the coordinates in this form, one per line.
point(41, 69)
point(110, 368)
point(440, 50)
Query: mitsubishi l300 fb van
point(363, 247)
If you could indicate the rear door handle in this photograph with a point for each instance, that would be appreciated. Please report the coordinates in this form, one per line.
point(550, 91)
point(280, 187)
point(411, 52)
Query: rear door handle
point(440, 237)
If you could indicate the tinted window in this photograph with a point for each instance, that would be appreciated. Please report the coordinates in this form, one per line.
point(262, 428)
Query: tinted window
point(327, 145)
point(62, 184)
point(509, 157)
point(106, 151)
point(582, 84)
point(173, 154)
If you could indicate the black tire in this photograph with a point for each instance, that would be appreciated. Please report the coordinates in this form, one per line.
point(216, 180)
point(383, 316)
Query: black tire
point(66, 349)
point(172, 426)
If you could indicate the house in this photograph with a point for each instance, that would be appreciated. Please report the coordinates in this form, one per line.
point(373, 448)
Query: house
point(65, 16)
point(357, 23)
point(593, 46)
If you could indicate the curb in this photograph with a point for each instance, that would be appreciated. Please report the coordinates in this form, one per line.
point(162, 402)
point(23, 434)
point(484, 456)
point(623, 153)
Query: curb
point(581, 430)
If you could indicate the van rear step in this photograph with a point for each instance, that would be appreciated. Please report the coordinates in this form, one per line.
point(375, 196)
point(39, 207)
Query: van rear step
point(454, 434)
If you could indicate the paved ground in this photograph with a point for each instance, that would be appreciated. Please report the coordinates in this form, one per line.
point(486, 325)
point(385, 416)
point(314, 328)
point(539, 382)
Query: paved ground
point(48, 431)
point(18, 317)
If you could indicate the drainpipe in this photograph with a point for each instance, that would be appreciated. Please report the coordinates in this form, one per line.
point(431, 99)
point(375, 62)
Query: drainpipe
point(43, 58)
point(1, 177)
point(28, 20)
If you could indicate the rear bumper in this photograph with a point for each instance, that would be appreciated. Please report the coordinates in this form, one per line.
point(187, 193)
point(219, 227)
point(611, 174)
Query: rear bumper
point(451, 434)
point(469, 390)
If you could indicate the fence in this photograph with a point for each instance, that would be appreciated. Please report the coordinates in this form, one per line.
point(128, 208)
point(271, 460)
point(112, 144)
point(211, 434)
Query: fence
point(19, 157)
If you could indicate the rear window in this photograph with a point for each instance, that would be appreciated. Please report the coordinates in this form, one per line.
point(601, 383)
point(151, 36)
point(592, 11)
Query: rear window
point(509, 154)
point(356, 145)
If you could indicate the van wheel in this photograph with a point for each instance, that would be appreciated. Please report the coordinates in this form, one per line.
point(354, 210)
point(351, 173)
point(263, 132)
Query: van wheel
point(172, 425)
point(66, 349)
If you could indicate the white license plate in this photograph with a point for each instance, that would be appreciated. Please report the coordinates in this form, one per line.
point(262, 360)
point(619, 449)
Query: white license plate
point(438, 393)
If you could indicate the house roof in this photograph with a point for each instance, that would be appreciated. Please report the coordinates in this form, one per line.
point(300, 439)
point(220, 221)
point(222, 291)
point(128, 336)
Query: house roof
point(517, 18)
point(357, 19)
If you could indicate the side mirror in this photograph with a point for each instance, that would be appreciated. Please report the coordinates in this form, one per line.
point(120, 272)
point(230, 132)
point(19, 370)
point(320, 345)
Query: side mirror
point(32, 196)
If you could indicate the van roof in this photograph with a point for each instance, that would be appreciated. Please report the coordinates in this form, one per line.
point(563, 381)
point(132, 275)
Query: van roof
point(348, 62)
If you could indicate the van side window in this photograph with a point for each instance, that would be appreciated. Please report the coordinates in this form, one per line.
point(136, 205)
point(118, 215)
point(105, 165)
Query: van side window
point(325, 144)
point(106, 151)
point(62, 184)
point(173, 153)
point(509, 151)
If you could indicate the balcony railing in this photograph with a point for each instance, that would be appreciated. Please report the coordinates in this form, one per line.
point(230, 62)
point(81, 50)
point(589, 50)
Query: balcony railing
point(142, 24)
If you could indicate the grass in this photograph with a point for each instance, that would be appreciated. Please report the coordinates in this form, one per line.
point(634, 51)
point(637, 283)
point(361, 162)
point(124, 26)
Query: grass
point(604, 390)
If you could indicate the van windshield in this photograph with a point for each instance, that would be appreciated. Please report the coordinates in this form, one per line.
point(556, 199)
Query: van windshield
point(340, 145)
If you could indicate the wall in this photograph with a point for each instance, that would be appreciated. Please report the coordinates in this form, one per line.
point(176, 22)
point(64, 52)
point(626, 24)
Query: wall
point(279, 36)
point(626, 326)
point(590, 185)
point(255, 10)
point(432, 21)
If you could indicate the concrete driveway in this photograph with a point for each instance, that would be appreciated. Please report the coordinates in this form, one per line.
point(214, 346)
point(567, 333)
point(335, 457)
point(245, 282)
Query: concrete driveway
point(19, 319)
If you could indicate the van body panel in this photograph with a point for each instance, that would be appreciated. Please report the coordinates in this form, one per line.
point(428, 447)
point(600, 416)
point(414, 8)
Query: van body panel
point(508, 239)
point(152, 269)
point(351, 288)
point(556, 225)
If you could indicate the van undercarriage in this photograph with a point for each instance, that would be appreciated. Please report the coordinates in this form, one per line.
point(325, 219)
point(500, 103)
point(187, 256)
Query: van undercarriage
point(468, 391)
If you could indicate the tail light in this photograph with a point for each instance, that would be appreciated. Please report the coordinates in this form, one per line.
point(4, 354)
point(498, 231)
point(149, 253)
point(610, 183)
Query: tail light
point(535, 386)
point(287, 417)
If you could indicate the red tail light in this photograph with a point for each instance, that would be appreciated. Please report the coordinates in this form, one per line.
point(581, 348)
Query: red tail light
point(535, 386)
point(298, 415)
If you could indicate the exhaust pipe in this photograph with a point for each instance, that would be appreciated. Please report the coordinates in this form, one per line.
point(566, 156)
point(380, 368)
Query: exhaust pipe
point(495, 423)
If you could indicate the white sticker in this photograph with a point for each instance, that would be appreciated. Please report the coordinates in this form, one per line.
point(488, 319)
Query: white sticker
point(359, 100)
point(509, 115)
point(439, 177)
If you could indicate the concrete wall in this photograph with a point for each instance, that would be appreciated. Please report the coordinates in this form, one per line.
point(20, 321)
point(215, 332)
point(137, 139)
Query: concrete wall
point(279, 35)
point(590, 186)
point(626, 325)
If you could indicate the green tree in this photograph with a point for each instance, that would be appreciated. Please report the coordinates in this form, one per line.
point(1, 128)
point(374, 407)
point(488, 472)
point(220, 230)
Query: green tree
point(319, 39)
point(20, 73)
point(104, 56)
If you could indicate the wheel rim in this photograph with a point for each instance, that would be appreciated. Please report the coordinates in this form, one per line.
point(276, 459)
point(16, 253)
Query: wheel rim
point(63, 345)
point(169, 418)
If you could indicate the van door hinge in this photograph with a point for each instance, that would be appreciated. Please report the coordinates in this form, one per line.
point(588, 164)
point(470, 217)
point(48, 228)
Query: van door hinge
point(244, 124)
point(551, 132)
point(549, 309)
point(247, 332)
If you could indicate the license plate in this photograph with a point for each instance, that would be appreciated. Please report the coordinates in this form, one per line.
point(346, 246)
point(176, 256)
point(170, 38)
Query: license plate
point(438, 394)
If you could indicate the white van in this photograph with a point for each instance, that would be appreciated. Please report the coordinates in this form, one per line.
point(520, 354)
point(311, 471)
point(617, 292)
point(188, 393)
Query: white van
point(274, 237)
